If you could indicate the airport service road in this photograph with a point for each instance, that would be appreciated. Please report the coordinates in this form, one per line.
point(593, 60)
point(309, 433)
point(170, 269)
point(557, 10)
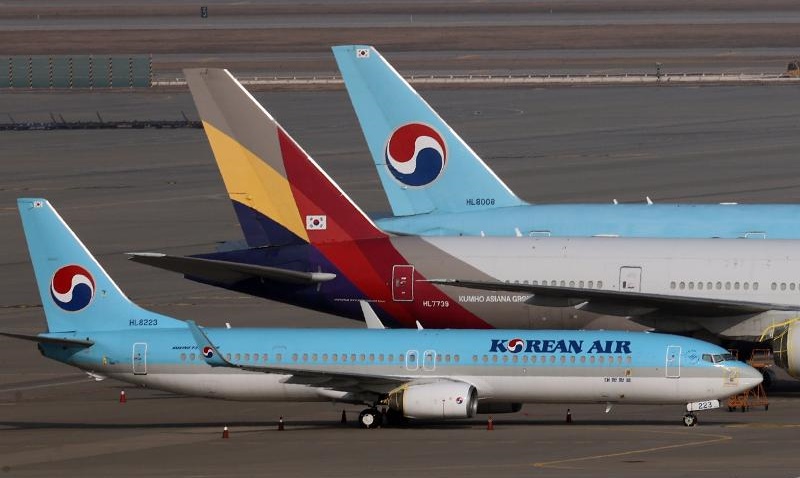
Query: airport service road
point(142, 190)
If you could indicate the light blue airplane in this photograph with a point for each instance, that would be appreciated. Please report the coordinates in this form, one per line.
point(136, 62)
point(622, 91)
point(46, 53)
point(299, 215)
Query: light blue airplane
point(437, 185)
point(430, 374)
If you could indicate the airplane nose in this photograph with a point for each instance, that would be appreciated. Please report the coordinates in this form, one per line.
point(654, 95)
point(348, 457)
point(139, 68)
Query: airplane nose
point(749, 377)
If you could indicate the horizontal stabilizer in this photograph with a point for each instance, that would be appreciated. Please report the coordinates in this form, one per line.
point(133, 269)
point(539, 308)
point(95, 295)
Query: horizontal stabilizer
point(623, 302)
point(224, 272)
point(47, 339)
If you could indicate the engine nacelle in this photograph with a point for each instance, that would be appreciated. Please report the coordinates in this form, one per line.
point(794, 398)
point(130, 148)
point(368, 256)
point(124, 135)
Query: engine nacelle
point(786, 348)
point(443, 399)
point(498, 407)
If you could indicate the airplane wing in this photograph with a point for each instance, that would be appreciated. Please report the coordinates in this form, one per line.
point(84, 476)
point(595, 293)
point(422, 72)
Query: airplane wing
point(620, 302)
point(345, 382)
point(225, 272)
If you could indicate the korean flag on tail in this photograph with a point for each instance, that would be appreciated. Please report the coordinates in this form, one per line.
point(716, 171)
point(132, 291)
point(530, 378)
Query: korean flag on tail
point(316, 223)
point(362, 53)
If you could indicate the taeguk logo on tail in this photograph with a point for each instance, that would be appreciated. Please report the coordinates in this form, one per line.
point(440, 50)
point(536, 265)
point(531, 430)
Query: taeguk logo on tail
point(72, 288)
point(416, 154)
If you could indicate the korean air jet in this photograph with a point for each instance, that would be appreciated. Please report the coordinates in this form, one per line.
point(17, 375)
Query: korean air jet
point(309, 245)
point(437, 185)
point(427, 374)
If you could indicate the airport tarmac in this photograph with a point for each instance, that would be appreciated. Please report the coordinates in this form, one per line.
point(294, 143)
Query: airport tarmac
point(158, 190)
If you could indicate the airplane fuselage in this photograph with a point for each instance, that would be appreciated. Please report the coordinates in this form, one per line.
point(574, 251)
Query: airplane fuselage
point(504, 365)
point(755, 221)
point(391, 273)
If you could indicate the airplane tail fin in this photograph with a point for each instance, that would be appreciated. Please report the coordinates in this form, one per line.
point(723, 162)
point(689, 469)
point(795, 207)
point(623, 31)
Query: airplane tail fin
point(77, 294)
point(280, 194)
point(423, 164)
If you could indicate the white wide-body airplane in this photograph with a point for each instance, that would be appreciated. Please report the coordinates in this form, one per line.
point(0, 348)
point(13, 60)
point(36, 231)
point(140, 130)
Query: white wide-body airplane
point(431, 374)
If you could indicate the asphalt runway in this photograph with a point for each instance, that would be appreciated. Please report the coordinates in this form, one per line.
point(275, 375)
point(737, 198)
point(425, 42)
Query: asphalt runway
point(158, 190)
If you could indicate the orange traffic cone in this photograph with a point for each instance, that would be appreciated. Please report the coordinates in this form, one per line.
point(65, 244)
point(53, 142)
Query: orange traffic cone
point(490, 423)
point(122, 397)
point(569, 416)
point(344, 418)
point(280, 424)
point(225, 433)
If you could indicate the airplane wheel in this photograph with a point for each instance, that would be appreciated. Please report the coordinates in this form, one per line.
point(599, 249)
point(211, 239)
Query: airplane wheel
point(690, 420)
point(370, 418)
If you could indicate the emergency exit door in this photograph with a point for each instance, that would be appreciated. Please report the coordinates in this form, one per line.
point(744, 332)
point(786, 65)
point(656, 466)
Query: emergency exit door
point(630, 279)
point(403, 283)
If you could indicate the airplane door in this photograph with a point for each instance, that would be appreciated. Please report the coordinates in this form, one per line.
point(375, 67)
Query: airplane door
point(403, 283)
point(673, 367)
point(429, 360)
point(140, 358)
point(630, 279)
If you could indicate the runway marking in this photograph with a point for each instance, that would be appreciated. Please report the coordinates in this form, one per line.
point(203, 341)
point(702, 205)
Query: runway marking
point(56, 383)
point(712, 438)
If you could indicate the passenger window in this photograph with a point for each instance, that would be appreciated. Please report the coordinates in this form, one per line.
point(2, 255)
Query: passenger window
point(691, 285)
point(352, 357)
point(535, 282)
point(601, 359)
point(774, 286)
point(553, 283)
point(591, 284)
point(228, 357)
point(294, 357)
point(700, 286)
point(505, 358)
point(371, 357)
point(324, 357)
point(719, 285)
point(580, 284)
point(474, 358)
point(552, 359)
point(563, 359)
point(735, 286)
point(265, 357)
point(791, 286)
point(599, 284)
point(305, 357)
point(727, 286)
point(583, 359)
point(485, 358)
point(380, 357)
point(572, 359)
point(533, 359)
point(572, 283)
point(783, 285)
point(344, 357)
point(494, 358)
point(335, 357)
point(746, 286)
point(709, 285)
point(362, 357)
point(524, 359)
point(563, 283)
point(592, 359)
point(238, 357)
point(755, 285)
point(682, 286)
point(183, 356)
point(278, 357)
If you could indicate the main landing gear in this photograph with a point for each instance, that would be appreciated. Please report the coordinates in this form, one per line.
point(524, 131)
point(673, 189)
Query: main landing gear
point(370, 418)
point(690, 419)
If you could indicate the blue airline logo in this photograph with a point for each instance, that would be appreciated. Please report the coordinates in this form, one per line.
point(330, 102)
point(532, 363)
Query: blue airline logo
point(517, 345)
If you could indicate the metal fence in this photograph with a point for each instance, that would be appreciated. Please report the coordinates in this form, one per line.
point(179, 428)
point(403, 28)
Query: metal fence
point(84, 71)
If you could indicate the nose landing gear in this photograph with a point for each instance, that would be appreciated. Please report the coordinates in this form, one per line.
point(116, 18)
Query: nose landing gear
point(690, 420)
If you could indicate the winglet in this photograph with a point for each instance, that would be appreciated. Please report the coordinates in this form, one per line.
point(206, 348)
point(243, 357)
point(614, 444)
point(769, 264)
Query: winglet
point(370, 317)
point(211, 354)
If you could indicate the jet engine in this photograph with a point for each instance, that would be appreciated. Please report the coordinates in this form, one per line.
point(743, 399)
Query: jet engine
point(786, 348)
point(442, 399)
